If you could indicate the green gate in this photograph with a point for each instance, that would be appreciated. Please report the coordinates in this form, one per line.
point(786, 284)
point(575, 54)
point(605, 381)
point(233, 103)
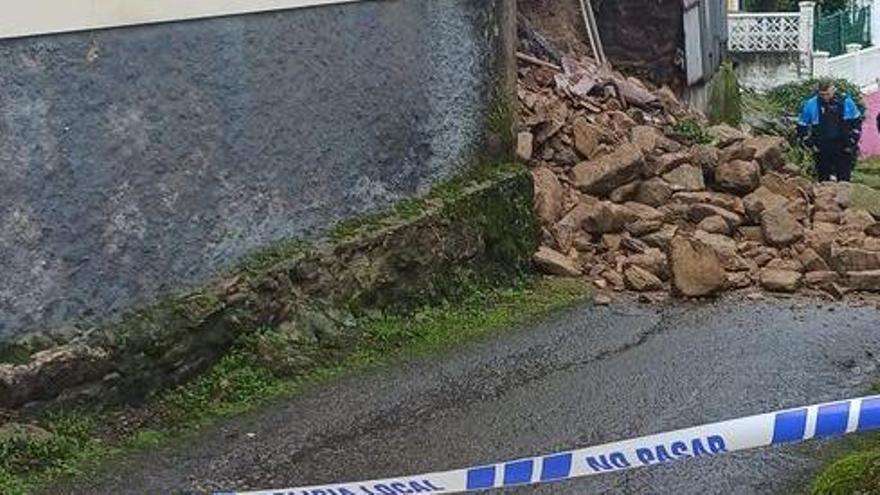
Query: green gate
point(835, 31)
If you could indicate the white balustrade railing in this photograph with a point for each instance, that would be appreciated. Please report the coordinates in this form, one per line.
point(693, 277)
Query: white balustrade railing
point(764, 32)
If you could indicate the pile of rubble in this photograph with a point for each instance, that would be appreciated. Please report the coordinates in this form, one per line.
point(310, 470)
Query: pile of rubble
point(631, 205)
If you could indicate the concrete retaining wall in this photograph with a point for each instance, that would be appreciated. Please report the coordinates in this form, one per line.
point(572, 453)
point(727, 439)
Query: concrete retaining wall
point(142, 160)
point(764, 71)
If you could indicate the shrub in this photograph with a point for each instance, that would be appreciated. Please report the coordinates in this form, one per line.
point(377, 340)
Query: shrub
point(725, 100)
point(826, 6)
point(791, 96)
point(691, 131)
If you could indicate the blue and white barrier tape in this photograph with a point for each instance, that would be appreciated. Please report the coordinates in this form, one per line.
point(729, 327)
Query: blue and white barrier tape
point(792, 425)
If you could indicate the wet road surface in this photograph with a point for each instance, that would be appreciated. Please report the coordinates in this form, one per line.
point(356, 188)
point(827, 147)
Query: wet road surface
point(583, 377)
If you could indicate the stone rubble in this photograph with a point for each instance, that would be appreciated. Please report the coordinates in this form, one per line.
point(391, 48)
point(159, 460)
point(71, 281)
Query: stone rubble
point(627, 203)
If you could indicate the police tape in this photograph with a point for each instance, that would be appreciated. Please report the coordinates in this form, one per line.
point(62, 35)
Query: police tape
point(788, 426)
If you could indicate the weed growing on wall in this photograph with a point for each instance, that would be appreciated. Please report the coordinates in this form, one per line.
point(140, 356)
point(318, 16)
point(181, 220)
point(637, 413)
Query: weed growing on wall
point(725, 100)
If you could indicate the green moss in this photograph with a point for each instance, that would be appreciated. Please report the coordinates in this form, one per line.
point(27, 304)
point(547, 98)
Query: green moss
point(501, 124)
point(243, 380)
point(856, 473)
point(14, 354)
point(492, 204)
point(446, 191)
point(866, 198)
point(277, 252)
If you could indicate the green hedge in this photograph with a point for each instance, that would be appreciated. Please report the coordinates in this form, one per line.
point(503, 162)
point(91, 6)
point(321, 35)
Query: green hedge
point(790, 97)
point(792, 5)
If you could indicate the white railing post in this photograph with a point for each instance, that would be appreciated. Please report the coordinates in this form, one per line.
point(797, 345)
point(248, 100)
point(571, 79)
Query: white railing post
point(875, 22)
point(821, 66)
point(805, 35)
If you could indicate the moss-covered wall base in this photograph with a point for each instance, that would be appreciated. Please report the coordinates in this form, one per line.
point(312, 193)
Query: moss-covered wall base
point(479, 229)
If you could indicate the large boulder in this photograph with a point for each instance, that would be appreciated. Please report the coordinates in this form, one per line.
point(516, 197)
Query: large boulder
point(643, 211)
point(572, 224)
point(719, 199)
point(848, 259)
point(652, 260)
point(685, 177)
point(715, 225)
point(603, 175)
point(858, 218)
point(788, 186)
point(586, 137)
point(705, 157)
point(769, 151)
point(548, 195)
point(865, 198)
point(661, 239)
point(696, 269)
point(641, 280)
point(865, 280)
point(811, 261)
point(822, 280)
point(625, 192)
point(664, 163)
point(654, 192)
point(607, 217)
point(776, 280)
point(780, 227)
point(821, 237)
point(725, 248)
point(737, 151)
point(762, 199)
point(643, 227)
point(751, 233)
point(831, 196)
point(738, 177)
point(646, 138)
point(555, 263)
point(52, 372)
point(724, 135)
point(698, 212)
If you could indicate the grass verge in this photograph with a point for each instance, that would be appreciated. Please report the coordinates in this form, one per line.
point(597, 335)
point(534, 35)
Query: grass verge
point(245, 379)
point(857, 471)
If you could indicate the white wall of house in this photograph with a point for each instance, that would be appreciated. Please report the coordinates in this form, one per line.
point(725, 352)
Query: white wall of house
point(32, 17)
point(875, 22)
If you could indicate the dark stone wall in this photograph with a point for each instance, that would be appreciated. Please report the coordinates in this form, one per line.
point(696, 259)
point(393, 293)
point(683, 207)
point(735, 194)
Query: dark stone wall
point(143, 160)
point(643, 37)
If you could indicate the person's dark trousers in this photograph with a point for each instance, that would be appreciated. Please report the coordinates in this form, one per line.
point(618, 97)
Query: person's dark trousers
point(833, 159)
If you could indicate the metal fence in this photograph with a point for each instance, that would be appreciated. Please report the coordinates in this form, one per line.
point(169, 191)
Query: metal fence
point(835, 31)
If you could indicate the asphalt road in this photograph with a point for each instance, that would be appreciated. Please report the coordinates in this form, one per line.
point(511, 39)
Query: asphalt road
point(585, 377)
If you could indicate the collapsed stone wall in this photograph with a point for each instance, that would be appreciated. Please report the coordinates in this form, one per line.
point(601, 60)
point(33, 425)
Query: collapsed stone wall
point(641, 37)
point(629, 201)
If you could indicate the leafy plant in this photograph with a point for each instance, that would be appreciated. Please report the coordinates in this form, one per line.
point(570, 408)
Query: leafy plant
point(691, 131)
point(801, 159)
point(790, 97)
point(826, 6)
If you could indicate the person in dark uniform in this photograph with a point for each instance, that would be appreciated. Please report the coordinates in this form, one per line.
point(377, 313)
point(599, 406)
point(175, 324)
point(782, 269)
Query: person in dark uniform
point(831, 126)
